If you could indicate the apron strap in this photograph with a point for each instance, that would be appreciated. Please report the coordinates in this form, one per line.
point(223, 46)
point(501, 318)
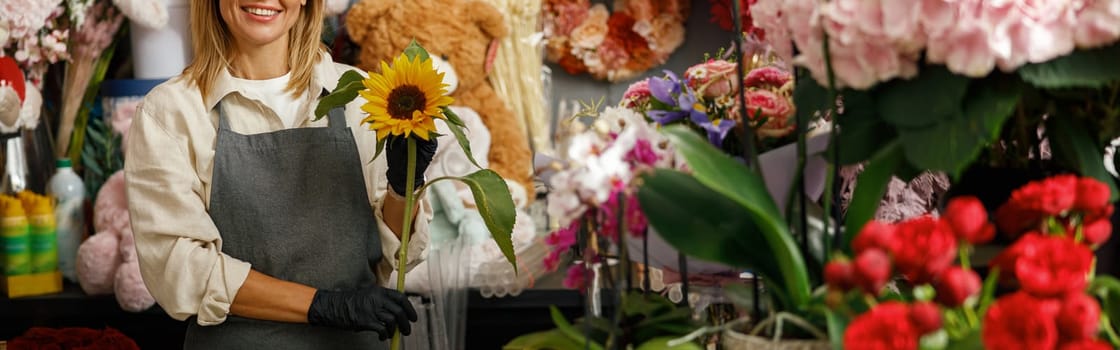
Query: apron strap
point(223, 124)
point(336, 118)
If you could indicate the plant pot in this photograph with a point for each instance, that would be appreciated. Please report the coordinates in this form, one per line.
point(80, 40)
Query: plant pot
point(732, 340)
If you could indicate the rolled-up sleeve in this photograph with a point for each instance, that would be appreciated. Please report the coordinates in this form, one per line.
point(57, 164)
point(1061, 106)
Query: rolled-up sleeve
point(391, 245)
point(178, 246)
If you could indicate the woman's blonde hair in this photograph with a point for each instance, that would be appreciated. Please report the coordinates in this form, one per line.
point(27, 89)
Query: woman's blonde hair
point(212, 44)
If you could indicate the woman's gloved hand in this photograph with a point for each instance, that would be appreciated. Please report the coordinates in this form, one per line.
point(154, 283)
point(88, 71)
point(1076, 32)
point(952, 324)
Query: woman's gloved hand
point(375, 309)
point(396, 155)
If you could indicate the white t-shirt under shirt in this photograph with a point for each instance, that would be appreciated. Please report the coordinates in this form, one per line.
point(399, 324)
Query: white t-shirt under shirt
point(273, 93)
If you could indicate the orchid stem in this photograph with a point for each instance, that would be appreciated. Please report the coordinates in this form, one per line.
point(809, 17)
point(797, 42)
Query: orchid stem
point(410, 201)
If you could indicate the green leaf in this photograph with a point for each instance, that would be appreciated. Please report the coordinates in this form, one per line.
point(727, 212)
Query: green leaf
point(662, 343)
point(933, 96)
point(547, 340)
point(1107, 289)
point(837, 324)
point(566, 328)
point(809, 97)
point(952, 144)
point(735, 181)
point(862, 132)
point(456, 126)
point(1073, 145)
point(704, 224)
point(380, 147)
point(741, 295)
point(414, 49)
point(1083, 68)
point(495, 205)
point(343, 94)
point(870, 187)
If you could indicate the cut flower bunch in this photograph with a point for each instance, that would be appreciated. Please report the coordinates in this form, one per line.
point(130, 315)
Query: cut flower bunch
point(940, 305)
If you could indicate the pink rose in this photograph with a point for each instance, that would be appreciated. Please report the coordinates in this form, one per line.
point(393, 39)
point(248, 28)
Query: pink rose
point(773, 108)
point(713, 78)
point(767, 77)
point(637, 95)
point(565, 15)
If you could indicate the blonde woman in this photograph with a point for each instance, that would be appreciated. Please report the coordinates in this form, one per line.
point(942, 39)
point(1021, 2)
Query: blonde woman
point(266, 229)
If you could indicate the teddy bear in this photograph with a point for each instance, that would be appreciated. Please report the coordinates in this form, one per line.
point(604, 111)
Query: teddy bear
point(463, 33)
point(107, 262)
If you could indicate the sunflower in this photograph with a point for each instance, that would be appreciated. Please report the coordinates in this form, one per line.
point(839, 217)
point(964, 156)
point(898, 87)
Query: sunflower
point(405, 98)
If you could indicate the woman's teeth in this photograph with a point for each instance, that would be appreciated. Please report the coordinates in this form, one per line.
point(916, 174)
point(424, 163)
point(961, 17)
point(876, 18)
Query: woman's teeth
point(260, 11)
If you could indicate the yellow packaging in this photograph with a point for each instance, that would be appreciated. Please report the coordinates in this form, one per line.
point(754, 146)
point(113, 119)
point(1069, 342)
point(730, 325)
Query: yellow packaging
point(44, 243)
point(31, 285)
point(16, 236)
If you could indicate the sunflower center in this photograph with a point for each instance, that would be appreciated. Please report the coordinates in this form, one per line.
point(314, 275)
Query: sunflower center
point(404, 100)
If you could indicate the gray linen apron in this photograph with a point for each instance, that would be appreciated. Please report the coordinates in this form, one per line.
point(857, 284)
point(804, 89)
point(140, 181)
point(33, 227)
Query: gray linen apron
point(293, 204)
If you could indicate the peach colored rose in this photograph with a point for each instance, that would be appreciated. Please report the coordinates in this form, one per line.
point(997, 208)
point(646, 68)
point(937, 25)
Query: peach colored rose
point(773, 110)
point(713, 78)
point(664, 33)
point(589, 34)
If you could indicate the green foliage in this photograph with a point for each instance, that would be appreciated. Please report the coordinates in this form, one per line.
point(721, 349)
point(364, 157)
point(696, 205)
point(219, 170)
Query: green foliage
point(935, 95)
point(862, 131)
point(495, 205)
point(456, 125)
point(649, 322)
point(1107, 289)
point(415, 50)
point(1092, 68)
point(101, 155)
point(734, 181)
point(1073, 145)
point(347, 90)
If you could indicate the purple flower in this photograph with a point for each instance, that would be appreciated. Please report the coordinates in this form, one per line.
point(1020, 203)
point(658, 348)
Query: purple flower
point(717, 129)
point(679, 98)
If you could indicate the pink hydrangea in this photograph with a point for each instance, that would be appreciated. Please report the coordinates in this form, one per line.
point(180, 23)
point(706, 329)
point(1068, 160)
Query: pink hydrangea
point(1098, 22)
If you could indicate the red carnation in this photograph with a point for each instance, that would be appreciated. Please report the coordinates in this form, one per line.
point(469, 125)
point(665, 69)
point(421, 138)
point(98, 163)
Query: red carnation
point(1053, 266)
point(928, 247)
point(1079, 317)
point(1020, 321)
point(1085, 345)
point(926, 317)
point(968, 218)
point(1091, 194)
point(1051, 196)
point(838, 274)
point(1097, 232)
point(872, 270)
point(956, 285)
point(1007, 258)
point(875, 235)
point(884, 327)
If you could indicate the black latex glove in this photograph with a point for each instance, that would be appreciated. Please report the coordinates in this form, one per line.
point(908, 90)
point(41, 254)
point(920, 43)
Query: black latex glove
point(396, 155)
point(375, 309)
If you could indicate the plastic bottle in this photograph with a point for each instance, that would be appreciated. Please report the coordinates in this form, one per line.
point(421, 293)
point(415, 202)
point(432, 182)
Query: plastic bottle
point(17, 237)
point(44, 245)
point(69, 193)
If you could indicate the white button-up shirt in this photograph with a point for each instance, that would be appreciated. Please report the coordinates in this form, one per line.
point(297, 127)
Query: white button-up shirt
point(168, 171)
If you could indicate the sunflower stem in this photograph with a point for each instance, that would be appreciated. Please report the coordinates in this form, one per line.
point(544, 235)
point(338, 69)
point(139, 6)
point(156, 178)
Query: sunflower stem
point(410, 201)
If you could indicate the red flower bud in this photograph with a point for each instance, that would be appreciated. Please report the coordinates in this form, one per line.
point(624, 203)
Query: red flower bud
point(872, 270)
point(926, 317)
point(875, 235)
point(1097, 232)
point(1091, 194)
point(838, 275)
point(956, 285)
point(1079, 317)
point(968, 218)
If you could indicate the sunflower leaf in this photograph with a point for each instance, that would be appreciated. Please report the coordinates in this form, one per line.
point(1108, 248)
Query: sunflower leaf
point(457, 129)
point(415, 50)
point(380, 147)
point(343, 94)
point(452, 117)
point(495, 205)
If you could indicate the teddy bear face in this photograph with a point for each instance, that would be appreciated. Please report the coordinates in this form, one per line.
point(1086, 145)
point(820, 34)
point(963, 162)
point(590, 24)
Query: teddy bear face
point(460, 32)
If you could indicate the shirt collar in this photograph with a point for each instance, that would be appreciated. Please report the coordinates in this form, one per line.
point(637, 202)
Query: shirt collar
point(324, 76)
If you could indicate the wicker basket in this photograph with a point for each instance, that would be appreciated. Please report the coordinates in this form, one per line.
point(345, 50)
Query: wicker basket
point(738, 341)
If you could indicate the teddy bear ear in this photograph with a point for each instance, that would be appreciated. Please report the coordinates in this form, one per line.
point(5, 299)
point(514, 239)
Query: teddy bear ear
point(362, 15)
point(488, 19)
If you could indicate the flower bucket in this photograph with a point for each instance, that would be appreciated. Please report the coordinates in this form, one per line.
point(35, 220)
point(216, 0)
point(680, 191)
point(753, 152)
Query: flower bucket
point(778, 169)
point(733, 340)
point(164, 52)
